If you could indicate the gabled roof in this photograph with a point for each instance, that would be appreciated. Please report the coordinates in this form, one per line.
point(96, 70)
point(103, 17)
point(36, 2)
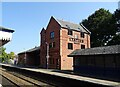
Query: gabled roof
point(115, 49)
point(6, 29)
point(72, 26)
point(43, 29)
point(30, 50)
point(34, 49)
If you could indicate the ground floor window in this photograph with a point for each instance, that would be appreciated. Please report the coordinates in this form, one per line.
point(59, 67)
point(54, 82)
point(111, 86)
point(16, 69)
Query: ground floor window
point(70, 46)
point(82, 46)
point(52, 61)
point(52, 45)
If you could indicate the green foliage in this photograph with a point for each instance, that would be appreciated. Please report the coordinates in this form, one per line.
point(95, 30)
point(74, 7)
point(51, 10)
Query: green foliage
point(11, 55)
point(102, 25)
point(116, 38)
point(117, 18)
point(4, 57)
point(3, 54)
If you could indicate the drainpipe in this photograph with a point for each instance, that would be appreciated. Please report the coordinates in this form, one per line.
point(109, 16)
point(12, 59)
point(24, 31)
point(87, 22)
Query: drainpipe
point(47, 57)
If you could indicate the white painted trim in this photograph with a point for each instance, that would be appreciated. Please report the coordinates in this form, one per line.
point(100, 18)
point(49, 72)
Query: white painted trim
point(5, 35)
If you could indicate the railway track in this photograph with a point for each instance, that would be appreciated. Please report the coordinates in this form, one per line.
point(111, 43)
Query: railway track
point(21, 80)
point(41, 78)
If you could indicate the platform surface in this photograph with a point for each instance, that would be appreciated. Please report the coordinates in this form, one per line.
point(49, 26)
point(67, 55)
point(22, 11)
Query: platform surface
point(70, 76)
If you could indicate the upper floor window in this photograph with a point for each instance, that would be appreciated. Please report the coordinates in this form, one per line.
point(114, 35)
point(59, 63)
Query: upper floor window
point(70, 46)
point(76, 36)
point(82, 34)
point(52, 35)
point(70, 32)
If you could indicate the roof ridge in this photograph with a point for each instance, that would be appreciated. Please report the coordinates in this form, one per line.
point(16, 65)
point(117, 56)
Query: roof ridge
point(71, 25)
point(113, 49)
point(85, 28)
point(64, 20)
point(68, 21)
point(5, 28)
point(36, 47)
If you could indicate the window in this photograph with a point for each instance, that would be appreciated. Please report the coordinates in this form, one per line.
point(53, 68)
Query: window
point(69, 32)
point(76, 36)
point(51, 45)
point(70, 46)
point(51, 60)
point(52, 35)
point(82, 34)
point(82, 46)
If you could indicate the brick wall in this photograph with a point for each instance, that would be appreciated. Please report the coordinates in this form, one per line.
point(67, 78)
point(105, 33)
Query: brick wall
point(54, 53)
point(58, 54)
point(43, 49)
point(67, 62)
point(21, 59)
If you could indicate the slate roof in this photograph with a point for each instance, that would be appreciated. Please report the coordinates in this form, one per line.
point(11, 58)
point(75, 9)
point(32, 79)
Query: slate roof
point(6, 29)
point(72, 26)
point(115, 49)
point(30, 50)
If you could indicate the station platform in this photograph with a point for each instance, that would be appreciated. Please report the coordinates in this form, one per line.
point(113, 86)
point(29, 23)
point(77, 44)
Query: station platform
point(69, 76)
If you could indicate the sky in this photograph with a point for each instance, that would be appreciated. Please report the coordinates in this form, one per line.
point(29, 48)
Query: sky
point(28, 18)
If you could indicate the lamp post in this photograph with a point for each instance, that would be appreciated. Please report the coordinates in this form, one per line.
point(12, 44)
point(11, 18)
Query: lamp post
point(47, 56)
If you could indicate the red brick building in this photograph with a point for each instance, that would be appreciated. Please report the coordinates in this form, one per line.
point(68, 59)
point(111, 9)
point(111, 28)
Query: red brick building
point(29, 58)
point(58, 40)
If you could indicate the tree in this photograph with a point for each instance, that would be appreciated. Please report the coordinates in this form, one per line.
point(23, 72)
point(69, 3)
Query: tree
point(5, 57)
point(117, 18)
point(116, 38)
point(3, 54)
point(102, 27)
point(11, 55)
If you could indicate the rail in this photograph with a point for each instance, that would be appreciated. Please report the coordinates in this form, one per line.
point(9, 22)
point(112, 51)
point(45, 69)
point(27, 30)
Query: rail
point(62, 79)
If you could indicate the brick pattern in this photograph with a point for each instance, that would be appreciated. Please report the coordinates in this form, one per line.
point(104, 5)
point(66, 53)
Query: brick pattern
point(67, 62)
point(58, 54)
point(21, 59)
point(54, 54)
point(43, 49)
